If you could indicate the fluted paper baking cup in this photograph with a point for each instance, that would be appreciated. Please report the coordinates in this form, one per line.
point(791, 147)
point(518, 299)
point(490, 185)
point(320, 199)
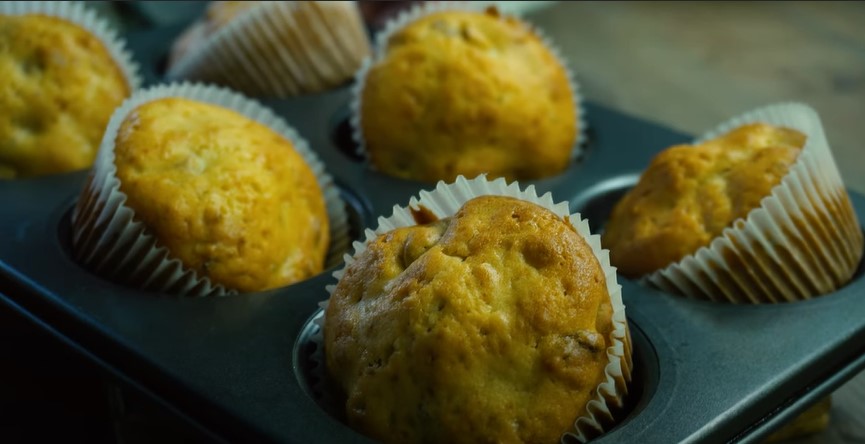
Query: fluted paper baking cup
point(421, 10)
point(444, 201)
point(802, 241)
point(108, 239)
point(280, 49)
point(75, 12)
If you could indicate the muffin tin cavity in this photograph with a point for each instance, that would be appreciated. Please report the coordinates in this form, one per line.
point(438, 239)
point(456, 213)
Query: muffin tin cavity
point(311, 374)
point(644, 380)
point(309, 368)
point(597, 203)
point(160, 67)
point(341, 135)
point(358, 216)
point(244, 366)
point(151, 49)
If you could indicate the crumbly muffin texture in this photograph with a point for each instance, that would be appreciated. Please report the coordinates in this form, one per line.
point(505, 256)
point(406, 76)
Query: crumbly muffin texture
point(460, 92)
point(488, 326)
point(691, 193)
point(60, 86)
point(226, 195)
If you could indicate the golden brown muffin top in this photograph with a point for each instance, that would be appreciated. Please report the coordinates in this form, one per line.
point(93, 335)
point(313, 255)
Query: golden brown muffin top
point(690, 193)
point(226, 195)
point(461, 92)
point(60, 86)
point(488, 326)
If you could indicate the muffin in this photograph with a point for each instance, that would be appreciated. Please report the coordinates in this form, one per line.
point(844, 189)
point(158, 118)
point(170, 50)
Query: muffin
point(465, 92)
point(219, 186)
point(691, 193)
point(61, 84)
point(275, 49)
point(227, 196)
point(497, 323)
point(756, 213)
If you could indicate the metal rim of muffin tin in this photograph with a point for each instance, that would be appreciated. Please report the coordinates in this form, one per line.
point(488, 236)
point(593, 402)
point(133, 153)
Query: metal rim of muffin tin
point(238, 367)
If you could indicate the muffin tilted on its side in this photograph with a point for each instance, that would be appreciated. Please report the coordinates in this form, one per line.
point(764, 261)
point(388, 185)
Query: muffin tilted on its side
point(200, 191)
point(754, 212)
point(466, 92)
point(496, 324)
point(60, 86)
point(690, 194)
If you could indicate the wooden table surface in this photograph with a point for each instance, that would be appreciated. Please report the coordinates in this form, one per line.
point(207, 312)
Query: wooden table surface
point(693, 65)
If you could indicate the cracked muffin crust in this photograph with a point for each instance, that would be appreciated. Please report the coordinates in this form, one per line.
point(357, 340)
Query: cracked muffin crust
point(462, 92)
point(488, 326)
point(226, 195)
point(691, 193)
point(60, 87)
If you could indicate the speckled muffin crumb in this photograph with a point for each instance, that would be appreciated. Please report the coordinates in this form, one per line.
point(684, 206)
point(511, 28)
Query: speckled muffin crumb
point(462, 92)
point(226, 195)
point(690, 193)
point(60, 86)
point(488, 326)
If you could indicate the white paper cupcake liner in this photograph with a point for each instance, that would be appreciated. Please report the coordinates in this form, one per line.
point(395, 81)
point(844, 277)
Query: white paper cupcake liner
point(280, 49)
point(424, 9)
point(803, 241)
point(75, 12)
point(444, 201)
point(107, 239)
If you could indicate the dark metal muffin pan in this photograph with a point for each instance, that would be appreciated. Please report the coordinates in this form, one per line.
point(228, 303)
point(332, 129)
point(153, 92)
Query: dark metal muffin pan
point(238, 367)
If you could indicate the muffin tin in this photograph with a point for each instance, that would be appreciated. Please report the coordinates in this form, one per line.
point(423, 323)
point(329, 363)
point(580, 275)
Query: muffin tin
point(239, 366)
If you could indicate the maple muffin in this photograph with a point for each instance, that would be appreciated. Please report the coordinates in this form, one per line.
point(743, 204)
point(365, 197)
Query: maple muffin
point(465, 92)
point(61, 84)
point(199, 191)
point(755, 212)
point(273, 49)
point(493, 324)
